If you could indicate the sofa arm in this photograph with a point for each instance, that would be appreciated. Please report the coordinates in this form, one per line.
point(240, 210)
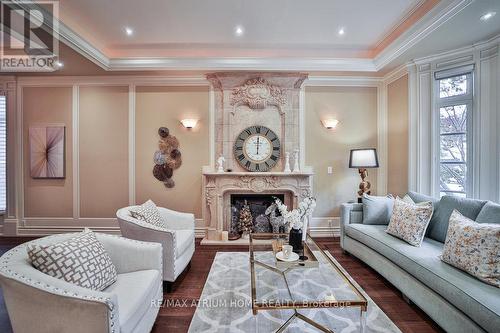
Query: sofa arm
point(132, 255)
point(177, 220)
point(349, 213)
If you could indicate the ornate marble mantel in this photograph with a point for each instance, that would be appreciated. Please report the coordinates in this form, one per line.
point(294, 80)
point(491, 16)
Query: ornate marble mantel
point(218, 187)
point(243, 99)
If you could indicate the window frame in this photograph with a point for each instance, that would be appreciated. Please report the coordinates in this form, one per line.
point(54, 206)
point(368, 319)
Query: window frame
point(466, 99)
point(3, 94)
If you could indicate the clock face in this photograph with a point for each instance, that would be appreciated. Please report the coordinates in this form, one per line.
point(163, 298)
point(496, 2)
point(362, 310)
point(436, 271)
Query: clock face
point(257, 148)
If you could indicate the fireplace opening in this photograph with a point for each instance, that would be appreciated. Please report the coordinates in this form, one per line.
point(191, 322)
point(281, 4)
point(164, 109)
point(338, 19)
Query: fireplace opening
point(258, 204)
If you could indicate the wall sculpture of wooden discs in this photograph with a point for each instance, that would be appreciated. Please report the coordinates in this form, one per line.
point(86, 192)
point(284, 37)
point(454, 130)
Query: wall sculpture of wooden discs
point(167, 158)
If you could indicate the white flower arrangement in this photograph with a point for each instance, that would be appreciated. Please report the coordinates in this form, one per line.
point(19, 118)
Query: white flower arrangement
point(294, 219)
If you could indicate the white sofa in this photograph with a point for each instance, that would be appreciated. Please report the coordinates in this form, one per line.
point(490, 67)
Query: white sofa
point(177, 241)
point(37, 302)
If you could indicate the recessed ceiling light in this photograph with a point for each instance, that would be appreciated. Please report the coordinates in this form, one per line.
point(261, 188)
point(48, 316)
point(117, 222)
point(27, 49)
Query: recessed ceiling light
point(341, 31)
point(487, 16)
point(129, 31)
point(239, 30)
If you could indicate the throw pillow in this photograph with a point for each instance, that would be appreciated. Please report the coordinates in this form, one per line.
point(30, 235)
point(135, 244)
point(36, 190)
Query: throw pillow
point(409, 221)
point(439, 223)
point(408, 199)
point(473, 247)
point(377, 210)
point(149, 213)
point(419, 197)
point(490, 213)
point(81, 260)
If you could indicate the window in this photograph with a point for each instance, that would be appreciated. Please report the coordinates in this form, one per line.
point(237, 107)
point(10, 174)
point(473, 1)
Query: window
point(3, 153)
point(454, 105)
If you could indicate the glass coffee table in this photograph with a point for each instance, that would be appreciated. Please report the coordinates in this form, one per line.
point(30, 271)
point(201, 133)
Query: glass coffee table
point(314, 281)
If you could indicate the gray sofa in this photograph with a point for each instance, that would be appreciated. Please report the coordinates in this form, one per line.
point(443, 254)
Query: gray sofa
point(455, 300)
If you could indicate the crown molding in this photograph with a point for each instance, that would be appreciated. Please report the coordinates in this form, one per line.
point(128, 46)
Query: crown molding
point(435, 18)
point(480, 46)
point(124, 80)
point(343, 81)
point(244, 63)
point(80, 45)
point(395, 74)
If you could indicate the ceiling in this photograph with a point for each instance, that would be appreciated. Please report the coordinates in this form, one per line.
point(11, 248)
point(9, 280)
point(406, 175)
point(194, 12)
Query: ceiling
point(190, 28)
point(199, 35)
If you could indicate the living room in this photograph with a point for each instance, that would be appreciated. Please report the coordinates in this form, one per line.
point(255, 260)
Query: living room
point(236, 166)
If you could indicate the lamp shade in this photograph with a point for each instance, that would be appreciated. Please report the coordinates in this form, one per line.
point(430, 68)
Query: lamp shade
point(363, 158)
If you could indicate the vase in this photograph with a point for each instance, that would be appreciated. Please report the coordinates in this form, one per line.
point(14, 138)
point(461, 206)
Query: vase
point(295, 239)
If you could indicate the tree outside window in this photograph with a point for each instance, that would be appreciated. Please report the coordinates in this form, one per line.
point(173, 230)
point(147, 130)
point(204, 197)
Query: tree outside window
point(454, 108)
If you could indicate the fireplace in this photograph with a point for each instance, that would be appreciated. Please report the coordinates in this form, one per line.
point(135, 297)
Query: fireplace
point(258, 204)
point(219, 187)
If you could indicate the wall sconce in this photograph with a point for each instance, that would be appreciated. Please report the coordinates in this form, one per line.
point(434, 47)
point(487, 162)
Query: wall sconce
point(189, 123)
point(330, 123)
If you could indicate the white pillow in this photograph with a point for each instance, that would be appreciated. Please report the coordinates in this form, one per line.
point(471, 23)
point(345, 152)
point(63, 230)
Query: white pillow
point(409, 221)
point(473, 247)
point(81, 260)
point(149, 213)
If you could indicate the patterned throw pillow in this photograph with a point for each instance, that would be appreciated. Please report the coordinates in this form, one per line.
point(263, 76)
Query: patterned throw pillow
point(149, 213)
point(473, 247)
point(409, 221)
point(81, 260)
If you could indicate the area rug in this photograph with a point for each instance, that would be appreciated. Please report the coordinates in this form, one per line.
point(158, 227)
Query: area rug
point(225, 305)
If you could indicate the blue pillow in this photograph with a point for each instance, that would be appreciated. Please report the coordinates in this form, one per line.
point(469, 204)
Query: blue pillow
point(377, 210)
point(489, 214)
point(438, 227)
point(418, 198)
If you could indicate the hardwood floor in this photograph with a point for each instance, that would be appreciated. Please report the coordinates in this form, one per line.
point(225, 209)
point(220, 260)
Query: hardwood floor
point(189, 286)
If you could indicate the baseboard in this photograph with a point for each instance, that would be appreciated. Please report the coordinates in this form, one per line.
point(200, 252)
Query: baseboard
point(320, 227)
point(22, 231)
point(324, 231)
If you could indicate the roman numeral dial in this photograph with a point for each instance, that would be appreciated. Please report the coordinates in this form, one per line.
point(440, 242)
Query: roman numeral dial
point(257, 148)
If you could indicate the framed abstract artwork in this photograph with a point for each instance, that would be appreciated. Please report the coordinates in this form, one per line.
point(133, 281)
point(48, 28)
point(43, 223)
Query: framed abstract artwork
point(47, 151)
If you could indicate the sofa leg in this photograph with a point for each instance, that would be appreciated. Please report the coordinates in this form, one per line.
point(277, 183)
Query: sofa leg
point(345, 252)
point(406, 298)
point(167, 287)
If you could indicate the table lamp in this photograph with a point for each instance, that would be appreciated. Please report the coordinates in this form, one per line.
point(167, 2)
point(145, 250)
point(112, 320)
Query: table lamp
point(363, 159)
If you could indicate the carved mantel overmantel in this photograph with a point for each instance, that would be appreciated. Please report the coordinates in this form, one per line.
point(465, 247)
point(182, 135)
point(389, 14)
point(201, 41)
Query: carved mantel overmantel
point(243, 99)
point(258, 94)
point(217, 188)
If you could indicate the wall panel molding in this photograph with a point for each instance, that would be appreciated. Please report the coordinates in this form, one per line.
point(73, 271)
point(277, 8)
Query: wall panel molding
point(8, 87)
point(382, 130)
point(39, 226)
point(131, 144)
point(76, 151)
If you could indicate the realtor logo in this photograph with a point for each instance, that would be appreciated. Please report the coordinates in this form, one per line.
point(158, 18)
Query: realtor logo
point(29, 36)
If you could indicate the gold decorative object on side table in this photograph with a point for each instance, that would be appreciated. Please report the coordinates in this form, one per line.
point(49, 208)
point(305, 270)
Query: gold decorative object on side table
point(339, 290)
